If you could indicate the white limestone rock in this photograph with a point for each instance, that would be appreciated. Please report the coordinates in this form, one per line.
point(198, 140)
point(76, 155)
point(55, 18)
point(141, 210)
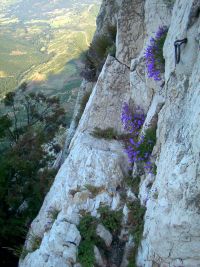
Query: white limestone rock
point(157, 13)
point(145, 188)
point(152, 115)
point(125, 214)
point(172, 217)
point(85, 88)
point(107, 16)
point(97, 162)
point(58, 247)
point(103, 109)
point(130, 30)
point(180, 28)
point(141, 94)
point(104, 234)
point(130, 195)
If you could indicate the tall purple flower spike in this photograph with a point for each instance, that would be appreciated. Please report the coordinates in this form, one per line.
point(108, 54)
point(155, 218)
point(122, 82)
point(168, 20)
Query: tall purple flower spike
point(153, 63)
point(133, 123)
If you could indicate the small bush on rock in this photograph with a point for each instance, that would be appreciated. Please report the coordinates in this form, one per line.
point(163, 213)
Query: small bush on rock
point(86, 253)
point(112, 32)
point(146, 147)
point(87, 229)
point(155, 61)
point(100, 46)
point(154, 170)
point(95, 57)
point(111, 219)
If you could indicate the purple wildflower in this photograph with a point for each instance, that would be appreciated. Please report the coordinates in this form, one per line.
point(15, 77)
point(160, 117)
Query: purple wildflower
point(133, 123)
point(154, 55)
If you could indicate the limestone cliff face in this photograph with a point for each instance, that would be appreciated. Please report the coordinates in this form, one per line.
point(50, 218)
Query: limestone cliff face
point(171, 236)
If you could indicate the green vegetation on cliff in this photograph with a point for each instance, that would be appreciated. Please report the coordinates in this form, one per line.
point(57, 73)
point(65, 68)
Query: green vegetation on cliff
point(26, 135)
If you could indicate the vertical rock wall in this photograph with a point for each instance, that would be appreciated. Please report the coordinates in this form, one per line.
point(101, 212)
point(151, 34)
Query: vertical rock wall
point(172, 230)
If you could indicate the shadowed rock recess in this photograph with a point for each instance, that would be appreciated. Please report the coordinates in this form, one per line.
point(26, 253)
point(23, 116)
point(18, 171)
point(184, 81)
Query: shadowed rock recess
point(108, 212)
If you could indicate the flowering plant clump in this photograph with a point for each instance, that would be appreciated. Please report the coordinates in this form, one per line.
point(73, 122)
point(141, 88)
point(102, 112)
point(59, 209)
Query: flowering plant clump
point(132, 122)
point(138, 149)
point(154, 54)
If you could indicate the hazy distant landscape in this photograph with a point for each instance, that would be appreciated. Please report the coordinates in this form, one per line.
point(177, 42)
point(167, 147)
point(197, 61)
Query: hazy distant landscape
point(41, 41)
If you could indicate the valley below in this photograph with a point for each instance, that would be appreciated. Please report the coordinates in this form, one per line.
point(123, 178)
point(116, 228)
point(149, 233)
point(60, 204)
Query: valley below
point(41, 42)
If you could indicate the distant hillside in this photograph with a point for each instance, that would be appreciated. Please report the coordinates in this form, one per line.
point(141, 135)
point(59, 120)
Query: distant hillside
point(40, 41)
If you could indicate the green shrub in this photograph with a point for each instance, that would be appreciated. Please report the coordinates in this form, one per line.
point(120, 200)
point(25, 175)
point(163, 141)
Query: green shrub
point(111, 50)
point(149, 141)
point(154, 169)
point(108, 133)
point(87, 226)
point(84, 101)
point(28, 124)
point(22, 252)
point(95, 57)
point(99, 47)
point(112, 32)
point(137, 214)
point(132, 258)
point(19, 251)
point(111, 219)
point(136, 221)
point(86, 253)
point(87, 229)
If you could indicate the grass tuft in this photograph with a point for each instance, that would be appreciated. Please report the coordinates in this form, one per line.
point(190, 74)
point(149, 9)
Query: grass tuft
point(95, 190)
point(108, 133)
